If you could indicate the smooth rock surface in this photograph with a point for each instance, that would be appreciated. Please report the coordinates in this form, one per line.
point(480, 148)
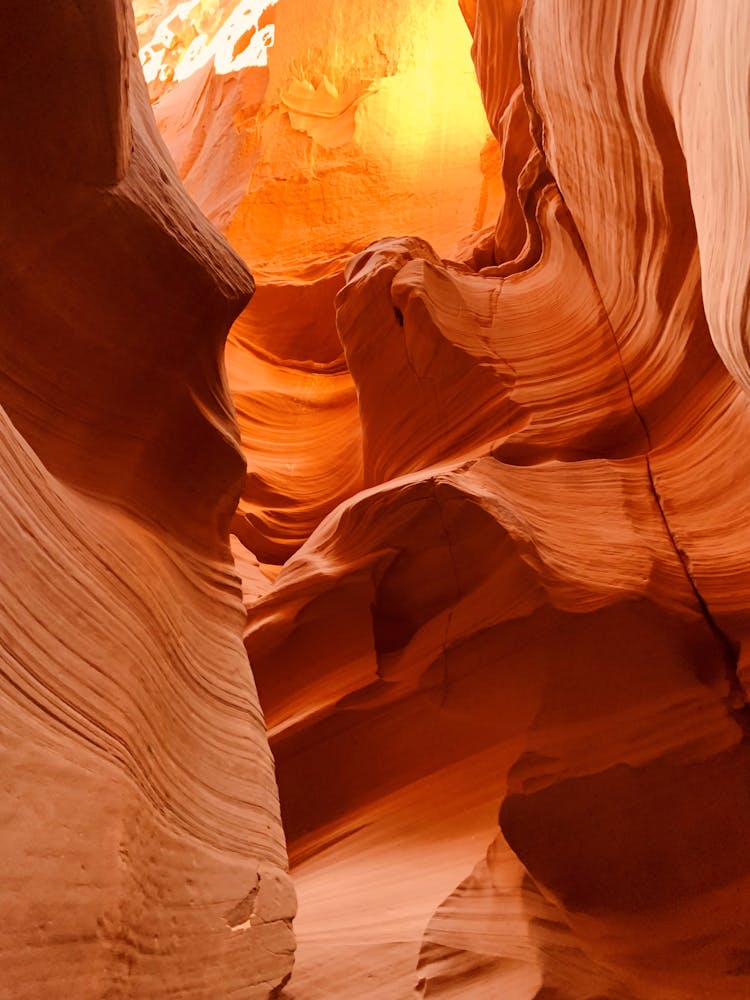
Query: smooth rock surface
point(494, 533)
point(142, 850)
point(548, 561)
point(305, 132)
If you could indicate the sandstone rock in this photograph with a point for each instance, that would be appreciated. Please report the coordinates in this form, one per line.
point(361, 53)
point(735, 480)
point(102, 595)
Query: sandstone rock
point(343, 129)
point(493, 537)
point(547, 562)
point(140, 806)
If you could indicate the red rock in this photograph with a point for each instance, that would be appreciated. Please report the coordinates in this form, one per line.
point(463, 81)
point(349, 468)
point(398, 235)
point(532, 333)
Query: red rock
point(547, 562)
point(343, 130)
point(493, 537)
point(142, 850)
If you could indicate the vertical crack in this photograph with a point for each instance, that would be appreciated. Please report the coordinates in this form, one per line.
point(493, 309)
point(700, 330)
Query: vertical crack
point(729, 648)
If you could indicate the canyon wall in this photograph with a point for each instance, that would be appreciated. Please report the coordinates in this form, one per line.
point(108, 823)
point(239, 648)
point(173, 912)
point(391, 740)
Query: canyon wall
point(305, 134)
point(142, 851)
point(493, 533)
point(532, 596)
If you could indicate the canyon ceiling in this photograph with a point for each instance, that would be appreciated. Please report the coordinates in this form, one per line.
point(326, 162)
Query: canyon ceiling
point(375, 500)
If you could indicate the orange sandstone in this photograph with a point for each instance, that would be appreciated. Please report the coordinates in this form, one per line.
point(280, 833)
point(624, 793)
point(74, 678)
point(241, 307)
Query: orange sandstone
point(142, 850)
point(493, 535)
point(305, 134)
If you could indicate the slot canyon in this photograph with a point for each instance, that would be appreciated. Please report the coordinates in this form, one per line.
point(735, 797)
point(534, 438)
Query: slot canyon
point(375, 492)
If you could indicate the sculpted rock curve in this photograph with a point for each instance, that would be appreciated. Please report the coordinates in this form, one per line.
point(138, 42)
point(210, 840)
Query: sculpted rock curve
point(143, 853)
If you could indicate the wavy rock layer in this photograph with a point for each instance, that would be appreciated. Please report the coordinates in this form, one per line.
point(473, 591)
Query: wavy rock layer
point(539, 602)
point(305, 132)
point(143, 855)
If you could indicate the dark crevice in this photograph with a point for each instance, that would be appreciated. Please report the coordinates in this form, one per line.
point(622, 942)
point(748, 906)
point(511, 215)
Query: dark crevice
point(457, 584)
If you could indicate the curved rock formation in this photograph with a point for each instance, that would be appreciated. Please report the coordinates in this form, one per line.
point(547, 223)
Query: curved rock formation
point(547, 565)
point(493, 536)
point(340, 127)
point(142, 850)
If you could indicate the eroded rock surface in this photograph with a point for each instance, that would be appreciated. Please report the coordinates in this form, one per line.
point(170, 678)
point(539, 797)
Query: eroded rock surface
point(547, 567)
point(142, 852)
point(494, 534)
point(305, 132)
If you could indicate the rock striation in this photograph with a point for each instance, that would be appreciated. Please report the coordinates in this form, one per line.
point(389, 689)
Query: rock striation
point(339, 128)
point(546, 568)
point(142, 850)
point(492, 392)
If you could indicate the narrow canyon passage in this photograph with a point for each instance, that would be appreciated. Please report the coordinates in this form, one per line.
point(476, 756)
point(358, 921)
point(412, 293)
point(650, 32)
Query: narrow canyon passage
point(376, 500)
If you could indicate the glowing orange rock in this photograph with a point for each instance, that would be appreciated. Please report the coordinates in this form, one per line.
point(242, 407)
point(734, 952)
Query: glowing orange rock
point(338, 129)
point(546, 569)
point(508, 491)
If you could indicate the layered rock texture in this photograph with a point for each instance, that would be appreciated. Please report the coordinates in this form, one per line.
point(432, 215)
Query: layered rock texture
point(142, 851)
point(305, 133)
point(493, 538)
